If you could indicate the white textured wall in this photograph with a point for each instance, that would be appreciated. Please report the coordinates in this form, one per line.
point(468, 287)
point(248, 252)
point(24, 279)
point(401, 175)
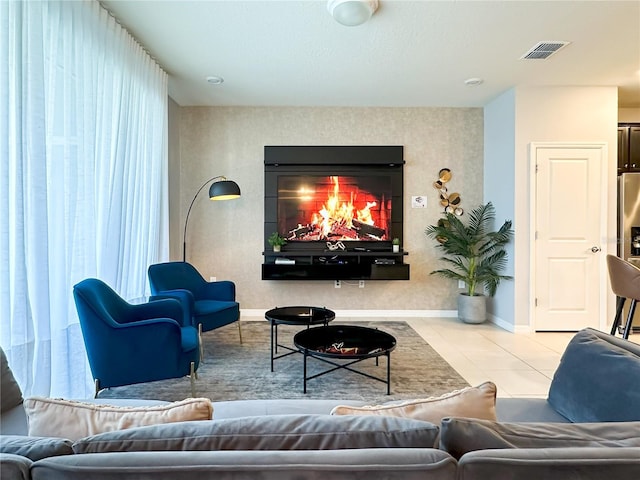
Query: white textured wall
point(629, 115)
point(225, 238)
point(545, 114)
point(560, 114)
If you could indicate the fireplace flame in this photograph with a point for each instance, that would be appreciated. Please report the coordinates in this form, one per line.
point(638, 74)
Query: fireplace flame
point(339, 219)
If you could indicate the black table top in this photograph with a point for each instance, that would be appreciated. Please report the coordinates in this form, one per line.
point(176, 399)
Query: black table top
point(344, 341)
point(300, 315)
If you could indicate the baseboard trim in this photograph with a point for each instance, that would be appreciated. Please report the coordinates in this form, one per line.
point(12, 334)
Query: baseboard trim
point(257, 312)
point(373, 314)
point(509, 327)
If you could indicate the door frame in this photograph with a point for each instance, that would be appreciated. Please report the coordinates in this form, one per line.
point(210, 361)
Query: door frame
point(604, 295)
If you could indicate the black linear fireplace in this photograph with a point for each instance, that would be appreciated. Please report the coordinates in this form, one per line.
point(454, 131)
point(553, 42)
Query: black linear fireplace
point(343, 201)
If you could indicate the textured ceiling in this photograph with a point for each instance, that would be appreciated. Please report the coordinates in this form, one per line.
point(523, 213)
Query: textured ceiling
point(411, 53)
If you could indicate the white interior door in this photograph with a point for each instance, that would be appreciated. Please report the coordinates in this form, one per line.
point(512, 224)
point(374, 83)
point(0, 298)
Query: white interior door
point(570, 200)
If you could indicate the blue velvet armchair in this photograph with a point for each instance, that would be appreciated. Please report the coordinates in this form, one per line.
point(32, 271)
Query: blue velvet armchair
point(129, 344)
point(213, 303)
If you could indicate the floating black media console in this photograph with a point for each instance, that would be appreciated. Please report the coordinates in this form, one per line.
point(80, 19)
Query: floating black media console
point(335, 266)
point(339, 207)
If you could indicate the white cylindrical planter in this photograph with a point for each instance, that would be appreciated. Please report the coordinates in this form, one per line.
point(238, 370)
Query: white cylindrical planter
point(472, 309)
point(396, 248)
point(276, 248)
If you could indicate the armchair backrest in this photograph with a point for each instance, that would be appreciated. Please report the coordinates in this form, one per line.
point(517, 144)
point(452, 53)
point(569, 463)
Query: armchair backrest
point(94, 298)
point(175, 275)
point(99, 309)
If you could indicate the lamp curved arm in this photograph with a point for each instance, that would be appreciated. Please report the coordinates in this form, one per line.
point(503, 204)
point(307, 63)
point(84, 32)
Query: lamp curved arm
point(186, 221)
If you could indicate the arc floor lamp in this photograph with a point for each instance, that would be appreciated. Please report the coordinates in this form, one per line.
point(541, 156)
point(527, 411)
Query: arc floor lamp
point(220, 189)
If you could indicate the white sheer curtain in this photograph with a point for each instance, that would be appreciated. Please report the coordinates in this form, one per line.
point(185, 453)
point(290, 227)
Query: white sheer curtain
point(83, 179)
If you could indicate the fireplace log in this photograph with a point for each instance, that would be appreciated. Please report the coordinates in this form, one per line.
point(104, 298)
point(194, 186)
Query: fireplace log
point(299, 231)
point(342, 232)
point(364, 229)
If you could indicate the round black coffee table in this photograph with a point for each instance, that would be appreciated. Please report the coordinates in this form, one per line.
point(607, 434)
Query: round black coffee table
point(345, 342)
point(294, 315)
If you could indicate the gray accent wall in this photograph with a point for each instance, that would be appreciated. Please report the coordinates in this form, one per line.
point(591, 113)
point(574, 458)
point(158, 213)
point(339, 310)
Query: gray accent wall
point(486, 149)
point(499, 188)
point(175, 233)
point(225, 238)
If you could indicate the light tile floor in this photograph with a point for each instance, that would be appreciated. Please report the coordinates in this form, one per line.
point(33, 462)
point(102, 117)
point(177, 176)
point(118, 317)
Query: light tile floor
point(521, 365)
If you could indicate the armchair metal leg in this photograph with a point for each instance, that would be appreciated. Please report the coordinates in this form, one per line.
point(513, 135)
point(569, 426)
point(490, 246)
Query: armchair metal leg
point(192, 378)
point(240, 331)
point(96, 383)
point(200, 342)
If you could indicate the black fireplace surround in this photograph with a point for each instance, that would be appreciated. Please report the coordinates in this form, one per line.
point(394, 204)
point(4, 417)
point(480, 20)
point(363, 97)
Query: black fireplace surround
point(339, 207)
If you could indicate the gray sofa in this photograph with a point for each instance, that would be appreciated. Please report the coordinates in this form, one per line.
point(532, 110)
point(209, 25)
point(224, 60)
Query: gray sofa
point(587, 428)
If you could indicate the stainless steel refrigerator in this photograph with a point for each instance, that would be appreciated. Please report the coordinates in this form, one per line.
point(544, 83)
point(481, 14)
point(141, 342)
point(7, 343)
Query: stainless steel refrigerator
point(629, 227)
point(629, 217)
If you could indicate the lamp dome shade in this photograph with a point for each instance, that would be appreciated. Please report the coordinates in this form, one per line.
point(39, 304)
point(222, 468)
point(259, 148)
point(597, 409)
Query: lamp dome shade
point(224, 190)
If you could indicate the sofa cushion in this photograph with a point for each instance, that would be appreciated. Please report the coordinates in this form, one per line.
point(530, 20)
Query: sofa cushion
point(572, 463)
point(475, 402)
point(354, 464)
point(272, 432)
point(72, 419)
point(461, 435)
point(592, 382)
point(15, 467)
point(35, 448)
point(11, 393)
point(289, 406)
point(526, 409)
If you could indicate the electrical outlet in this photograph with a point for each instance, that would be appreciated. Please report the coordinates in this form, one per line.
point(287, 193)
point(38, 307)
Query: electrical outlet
point(212, 279)
point(338, 284)
point(461, 284)
point(361, 284)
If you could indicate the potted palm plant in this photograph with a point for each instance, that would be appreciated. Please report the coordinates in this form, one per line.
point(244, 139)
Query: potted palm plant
point(475, 255)
point(276, 241)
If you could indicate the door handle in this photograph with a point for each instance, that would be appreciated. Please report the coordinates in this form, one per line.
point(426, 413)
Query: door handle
point(595, 249)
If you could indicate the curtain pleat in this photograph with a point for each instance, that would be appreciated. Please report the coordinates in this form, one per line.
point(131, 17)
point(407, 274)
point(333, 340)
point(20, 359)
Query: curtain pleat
point(83, 188)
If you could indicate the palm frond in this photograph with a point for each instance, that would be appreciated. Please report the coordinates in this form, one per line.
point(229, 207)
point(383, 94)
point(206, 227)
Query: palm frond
point(480, 218)
point(445, 272)
point(474, 253)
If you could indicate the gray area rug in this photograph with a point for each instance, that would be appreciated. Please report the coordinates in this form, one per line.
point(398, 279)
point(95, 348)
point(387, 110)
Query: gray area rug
point(232, 371)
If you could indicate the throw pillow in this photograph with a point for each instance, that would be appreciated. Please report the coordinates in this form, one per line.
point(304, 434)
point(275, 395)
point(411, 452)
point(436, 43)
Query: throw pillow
point(473, 402)
point(462, 435)
point(71, 419)
point(35, 448)
point(592, 382)
point(268, 432)
point(11, 394)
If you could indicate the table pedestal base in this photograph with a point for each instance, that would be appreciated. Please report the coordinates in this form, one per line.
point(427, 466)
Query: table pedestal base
point(347, 366)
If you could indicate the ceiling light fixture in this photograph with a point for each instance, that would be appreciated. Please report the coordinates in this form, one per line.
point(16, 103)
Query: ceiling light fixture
point(352, 12)
point(472, 82)
point(215, 80)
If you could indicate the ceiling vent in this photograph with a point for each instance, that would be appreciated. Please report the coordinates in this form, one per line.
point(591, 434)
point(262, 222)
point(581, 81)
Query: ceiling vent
point(543, 50)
